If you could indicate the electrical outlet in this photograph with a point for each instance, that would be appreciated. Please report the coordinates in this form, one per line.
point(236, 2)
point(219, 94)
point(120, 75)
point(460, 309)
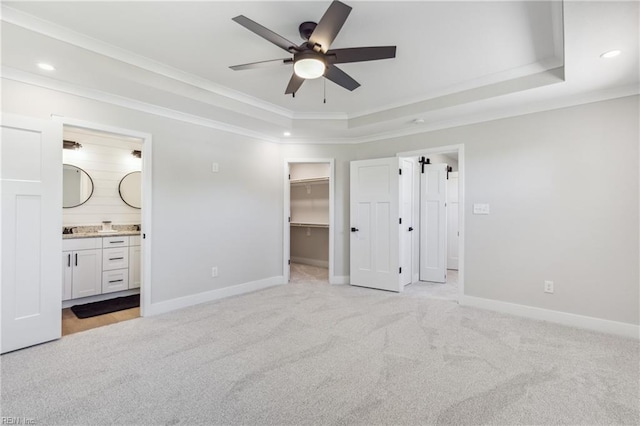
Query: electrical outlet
point(548, 286)
point(215, 168)
point(214, 271)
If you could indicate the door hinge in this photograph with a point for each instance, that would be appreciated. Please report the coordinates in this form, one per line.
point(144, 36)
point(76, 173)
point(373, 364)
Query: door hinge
point(289, 176)
point(144, 236)
point(400, 221)
point(424, 161)
point(289, 219)
point(400, 270)
point(399, 171)
point(289, 261)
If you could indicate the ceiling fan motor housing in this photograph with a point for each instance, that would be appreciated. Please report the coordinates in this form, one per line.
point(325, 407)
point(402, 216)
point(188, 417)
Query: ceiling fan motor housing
point(306, 29)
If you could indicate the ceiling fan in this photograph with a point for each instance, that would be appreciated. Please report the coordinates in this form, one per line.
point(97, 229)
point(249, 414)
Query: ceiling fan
point(313, 58)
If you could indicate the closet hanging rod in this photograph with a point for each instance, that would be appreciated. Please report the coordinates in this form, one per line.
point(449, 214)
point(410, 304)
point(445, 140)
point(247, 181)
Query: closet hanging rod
point(310, 225)
point(309, 180)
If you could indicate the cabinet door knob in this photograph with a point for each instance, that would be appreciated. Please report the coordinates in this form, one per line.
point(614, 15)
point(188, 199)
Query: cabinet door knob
point(354, 229)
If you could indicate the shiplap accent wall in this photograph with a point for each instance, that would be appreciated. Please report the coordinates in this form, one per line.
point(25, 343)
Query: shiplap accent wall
point(107, 159)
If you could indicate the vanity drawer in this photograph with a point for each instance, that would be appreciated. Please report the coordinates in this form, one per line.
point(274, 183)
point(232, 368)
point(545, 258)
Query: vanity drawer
point(81, 244)
point(115, 258)
point(115, 242)
point(117, 280)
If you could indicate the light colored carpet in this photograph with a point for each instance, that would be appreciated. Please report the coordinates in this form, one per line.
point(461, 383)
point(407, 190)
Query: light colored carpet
point(311, 353)
point(444, 291)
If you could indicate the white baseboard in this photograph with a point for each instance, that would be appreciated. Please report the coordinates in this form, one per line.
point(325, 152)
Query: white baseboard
point(99, 297)
point(208, 296)
point(312, 262)
point(339, 279)
point(564, 318)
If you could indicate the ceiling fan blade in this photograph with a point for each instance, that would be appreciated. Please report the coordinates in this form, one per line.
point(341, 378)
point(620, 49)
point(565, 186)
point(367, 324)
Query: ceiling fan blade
point(294, 84)
point(265, 33)
point(340, 78)
point(262, 64)
point(360, 54)
point(329, 25)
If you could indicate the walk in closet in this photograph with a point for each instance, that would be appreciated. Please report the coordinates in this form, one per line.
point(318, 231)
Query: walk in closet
point(309, 231)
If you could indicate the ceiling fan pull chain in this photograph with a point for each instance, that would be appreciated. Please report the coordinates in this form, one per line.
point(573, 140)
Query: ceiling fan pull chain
point(324, 80)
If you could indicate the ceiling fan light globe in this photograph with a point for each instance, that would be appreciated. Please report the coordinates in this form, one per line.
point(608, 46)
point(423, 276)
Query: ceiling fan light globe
point(309, 68)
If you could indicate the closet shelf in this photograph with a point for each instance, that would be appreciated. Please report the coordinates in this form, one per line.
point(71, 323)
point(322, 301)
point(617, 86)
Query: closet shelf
point(310, 225)
point(310, 181)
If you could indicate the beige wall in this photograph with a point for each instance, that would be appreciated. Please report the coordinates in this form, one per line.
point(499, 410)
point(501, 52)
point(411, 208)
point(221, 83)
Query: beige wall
point(231, 219)
point(562, 185)
point(563, 191)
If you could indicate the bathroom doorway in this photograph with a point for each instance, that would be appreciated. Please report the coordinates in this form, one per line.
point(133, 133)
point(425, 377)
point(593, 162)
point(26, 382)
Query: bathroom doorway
point(106, 219)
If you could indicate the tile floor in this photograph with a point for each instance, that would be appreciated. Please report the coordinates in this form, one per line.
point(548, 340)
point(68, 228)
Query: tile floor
point(72, 324)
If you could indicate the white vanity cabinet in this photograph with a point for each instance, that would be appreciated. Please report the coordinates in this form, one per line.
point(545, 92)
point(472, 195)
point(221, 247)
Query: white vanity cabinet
point(134, 261)
point(115, 264)
point(81, 267)
point(93, 266)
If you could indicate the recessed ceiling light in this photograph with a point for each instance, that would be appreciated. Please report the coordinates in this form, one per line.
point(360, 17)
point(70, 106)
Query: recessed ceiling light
point(287, 133)
point(46, 67)
point(610, 54)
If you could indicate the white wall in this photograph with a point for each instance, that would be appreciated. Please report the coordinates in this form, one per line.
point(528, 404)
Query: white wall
point(563, 190)
point(309, 170)
point(107, 160)
point(562, 185)
point(231, 219)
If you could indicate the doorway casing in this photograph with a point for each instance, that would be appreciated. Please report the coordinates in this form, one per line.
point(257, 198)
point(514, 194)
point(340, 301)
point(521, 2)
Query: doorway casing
point(287, 215)
point(145, 270)
point(449, 149)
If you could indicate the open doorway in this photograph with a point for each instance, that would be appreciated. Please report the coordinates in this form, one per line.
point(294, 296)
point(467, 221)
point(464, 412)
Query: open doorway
point(308, 211)
point(106, 196)
point(435, 249)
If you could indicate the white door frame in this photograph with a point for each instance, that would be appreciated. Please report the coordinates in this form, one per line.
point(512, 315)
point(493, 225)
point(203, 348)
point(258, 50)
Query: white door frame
point(447, 149)
point(287, 213)
point(147, 230)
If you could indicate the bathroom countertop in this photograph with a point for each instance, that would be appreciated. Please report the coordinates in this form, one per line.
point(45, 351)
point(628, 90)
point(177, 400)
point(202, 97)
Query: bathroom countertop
point(99, 234)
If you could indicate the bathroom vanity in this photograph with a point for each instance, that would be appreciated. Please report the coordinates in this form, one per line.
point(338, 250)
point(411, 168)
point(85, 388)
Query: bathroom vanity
point(95, 264)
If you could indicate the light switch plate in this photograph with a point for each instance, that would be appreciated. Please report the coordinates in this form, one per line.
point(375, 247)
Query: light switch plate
point(481, 209)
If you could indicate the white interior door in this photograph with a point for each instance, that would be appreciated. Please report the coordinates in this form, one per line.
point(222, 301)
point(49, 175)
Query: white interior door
point(375, 228)
point(453, 233)
point(433, 223)
point(408, 185)
point(31, 181)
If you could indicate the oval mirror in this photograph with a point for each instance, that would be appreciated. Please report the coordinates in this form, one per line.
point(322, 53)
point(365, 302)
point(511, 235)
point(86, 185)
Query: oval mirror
point(77, 186)
point(131, 188)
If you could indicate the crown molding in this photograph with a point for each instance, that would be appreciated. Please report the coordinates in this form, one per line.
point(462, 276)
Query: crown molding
point(498, 114)
point(523, 108)
point(320, 116)
point(49, 29)
point(97, 95)
point(74, 38)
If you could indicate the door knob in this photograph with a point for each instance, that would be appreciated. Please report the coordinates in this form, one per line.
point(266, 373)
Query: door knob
point(354, 229)
point(410, 228)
